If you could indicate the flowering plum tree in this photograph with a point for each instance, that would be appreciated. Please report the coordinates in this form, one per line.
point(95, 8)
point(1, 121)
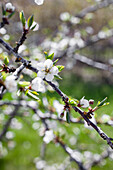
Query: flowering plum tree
point(42, 76)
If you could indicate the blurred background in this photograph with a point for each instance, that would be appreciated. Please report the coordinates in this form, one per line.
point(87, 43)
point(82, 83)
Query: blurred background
point(83, 44)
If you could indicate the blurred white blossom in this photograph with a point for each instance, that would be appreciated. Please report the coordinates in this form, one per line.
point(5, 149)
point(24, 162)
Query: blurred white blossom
point(9, 7)
point(77, 155)
point(38, 85)
point(6, 37)
point(65, 16)
point(22, 48)
point(3, 31)
point(39, 2)
point(15, 124)
point(10, 83)
point(59, 107)
point(75, 20)
point(105, 118)
point(49, 136)
point(73, 140)
point(9, 135)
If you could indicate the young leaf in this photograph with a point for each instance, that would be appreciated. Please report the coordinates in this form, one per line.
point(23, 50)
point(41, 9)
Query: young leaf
point(30, 21)
point(35, 93)
point(51, 56)
point(55, 62)
point(67, 117)
point(102, 102)
point(60, 68)
point(3, 11)
point(31, 94)
point(48, 56)
point(22, 18)
point(6, 60)
point(9, 16)
point(32, 28)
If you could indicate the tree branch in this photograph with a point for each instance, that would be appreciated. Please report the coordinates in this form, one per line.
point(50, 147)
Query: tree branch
point(64, 97)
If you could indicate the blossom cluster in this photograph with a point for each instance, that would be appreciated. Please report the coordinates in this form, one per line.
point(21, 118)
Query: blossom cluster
point(46, 71)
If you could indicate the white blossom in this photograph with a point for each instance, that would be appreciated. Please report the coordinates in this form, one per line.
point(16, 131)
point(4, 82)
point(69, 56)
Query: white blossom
point(105, 118)
point(38, 85)
point(59, 107)
point(9, 7)
point(84, 103)
point(39, 2)
point(49, 136)
point(47, 70)
point(10, 135)
point(41, 164)
point(65, 16)
point(11, 83)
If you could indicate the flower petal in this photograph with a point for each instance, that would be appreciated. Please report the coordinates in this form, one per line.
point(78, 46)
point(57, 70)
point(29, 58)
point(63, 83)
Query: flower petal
point(40, 66)
point(54, 70)
point(41, 74)
point(84, 103)
point(38, 85)
point(49, 77)
point(48, 63)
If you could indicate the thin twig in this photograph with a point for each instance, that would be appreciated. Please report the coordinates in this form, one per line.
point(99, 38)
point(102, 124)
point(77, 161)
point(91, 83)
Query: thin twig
point(21, 41)
point(6, 126)
point(94, 8)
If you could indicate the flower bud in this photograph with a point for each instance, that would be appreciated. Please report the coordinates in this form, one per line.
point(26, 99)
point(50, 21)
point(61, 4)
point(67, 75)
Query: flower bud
point(91, 101)
point(62, 115)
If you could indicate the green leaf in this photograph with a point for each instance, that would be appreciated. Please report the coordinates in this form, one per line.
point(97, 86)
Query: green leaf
point(60, 67)
point(22, 18)
point(6, 60)
point(51, 56)
point(30, 21)
point(68, 117)
point(31, 94)
point(24, 83)
point(99, 104)
point(9, 16)
point(35, 93)
point(3, 11)
point(55, 62)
